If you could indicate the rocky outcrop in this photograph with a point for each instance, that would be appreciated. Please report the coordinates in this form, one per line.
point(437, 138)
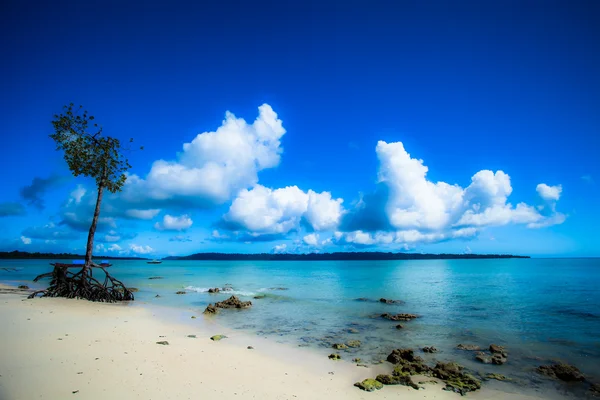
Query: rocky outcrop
point(210, 309)
point(468, 347)
point(405, 380)
point(456, 380)
point(369, 385)
point(407, 363)
point(399, 317)
point(214, 290)
point(497, 356)
point(483, 357)
point(564, 372)
point(430, 350)
point(233, 302)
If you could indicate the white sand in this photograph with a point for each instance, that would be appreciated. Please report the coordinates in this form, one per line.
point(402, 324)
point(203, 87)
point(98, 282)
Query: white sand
point(50, 348)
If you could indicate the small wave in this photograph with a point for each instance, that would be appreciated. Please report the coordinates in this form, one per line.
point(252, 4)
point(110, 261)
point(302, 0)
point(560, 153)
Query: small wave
point(234, 292)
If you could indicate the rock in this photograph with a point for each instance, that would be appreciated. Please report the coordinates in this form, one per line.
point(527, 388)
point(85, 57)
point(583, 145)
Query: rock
point(156, 277)
point(210, 309)
point(399, 317)
point(390, 301)
point(454, 377)
point(163, 342)
point(407, 363)
point(369, 385)
point(334, 356)
point(362, 299)
point(233, 302)
point(214, 290)
point(468, 347)
point(260, 296)
point(216, 338)
point(430, 350)
point(498, 359)
point(353, 343)
point(564, 372)
point(405, 380)
point(353, 330)
point(595, 389)
point(180, 292)
point(399, 326)
point(250, 348)
point(362, 365)
point(193, 317)
point(494, 348)
point(339, 346)
point(192, 336)
point(482, 357)
point(25, 287)
point(356, 360)
point(158, 295)
point(498, 377)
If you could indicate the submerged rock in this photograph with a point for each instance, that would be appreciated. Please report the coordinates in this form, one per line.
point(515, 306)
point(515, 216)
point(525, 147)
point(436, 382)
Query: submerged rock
point(405, 380)
point(260, 296)
point(278, 288)
point(353, 343)
point(334, 356)
point(390, 301)
point(369, 385)
point(353, 330)
point(468, 347)
point(214, 290)
point(456, 380)
point(498, 377)
point(131, 289)
point(564, 372)
point(482, 357)
point(233, 302)
point(339, 346)
point(25, 287)
point(595, 389)
point(362, 299)
point(158, 295)
point(430, 350)
point(210, 309)
point(356, 360)
point(399, 326)
point(216, 338)
point(407, 363)
point(156, 277)
point(180, 292)
point(399, 317)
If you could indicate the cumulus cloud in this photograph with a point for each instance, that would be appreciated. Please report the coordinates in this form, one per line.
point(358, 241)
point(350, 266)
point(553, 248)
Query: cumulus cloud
point(10, 209)
point(25, 240)
point(549, 193)
point(311, 239)
point(140, 249)
point(280, 248)
point(214, 165)
point(171, 223)
point(113, 248)
point(278, 211)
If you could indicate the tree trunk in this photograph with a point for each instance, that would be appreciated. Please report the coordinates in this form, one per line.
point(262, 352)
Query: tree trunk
point(90, 241)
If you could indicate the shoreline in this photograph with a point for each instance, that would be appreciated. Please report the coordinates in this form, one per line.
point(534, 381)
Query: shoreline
point(103, 350)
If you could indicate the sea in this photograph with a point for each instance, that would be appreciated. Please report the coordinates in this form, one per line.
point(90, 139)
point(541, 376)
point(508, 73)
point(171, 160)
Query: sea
point(541, 310)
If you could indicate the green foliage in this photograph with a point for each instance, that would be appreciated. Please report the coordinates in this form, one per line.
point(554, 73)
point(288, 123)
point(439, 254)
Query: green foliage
point(87, 152)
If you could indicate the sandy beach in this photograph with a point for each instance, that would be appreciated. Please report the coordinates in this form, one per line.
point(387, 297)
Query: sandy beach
point(59, 348)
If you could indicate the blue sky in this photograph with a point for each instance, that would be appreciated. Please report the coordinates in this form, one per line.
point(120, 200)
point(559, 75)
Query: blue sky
point(334, 109)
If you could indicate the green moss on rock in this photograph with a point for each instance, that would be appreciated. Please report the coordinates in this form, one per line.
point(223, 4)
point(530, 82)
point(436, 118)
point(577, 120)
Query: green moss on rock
point(369, 385)
point(216, 338)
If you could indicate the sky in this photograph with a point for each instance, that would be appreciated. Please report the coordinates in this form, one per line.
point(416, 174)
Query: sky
point(305, 126)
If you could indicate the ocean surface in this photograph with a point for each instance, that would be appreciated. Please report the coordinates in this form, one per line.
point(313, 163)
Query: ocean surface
point(541, 310)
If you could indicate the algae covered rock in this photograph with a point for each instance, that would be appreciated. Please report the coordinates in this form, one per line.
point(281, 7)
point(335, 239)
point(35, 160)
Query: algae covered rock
point(210, 309)
point(233, 302)
point(405, 380)
point(482, 357)
point(339, 346)
point(353, 343)
point(456, 380)
point(369, 385)
point(334, 356)
point(163, 342)
point(497, 377)
point(216, 338)
point(564, 372)
point(407, 363)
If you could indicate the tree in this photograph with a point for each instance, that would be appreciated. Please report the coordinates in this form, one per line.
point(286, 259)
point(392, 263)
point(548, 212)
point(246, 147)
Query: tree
point(91, 154)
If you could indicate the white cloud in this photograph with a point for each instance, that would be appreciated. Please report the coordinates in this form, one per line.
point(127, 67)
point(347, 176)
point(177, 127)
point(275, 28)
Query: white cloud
point(267, 211)
point(25, 240)
point(214, 165)
point(142, 214)
point(311, 239)
point(141, 249)
point(280, 248)
point(403, 238)
point(112, 248)
point(549, 193)
point(171, 223)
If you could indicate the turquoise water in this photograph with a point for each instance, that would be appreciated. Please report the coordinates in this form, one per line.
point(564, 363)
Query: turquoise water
point(540, 309)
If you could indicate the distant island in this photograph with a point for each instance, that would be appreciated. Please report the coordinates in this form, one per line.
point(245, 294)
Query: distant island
point(341, 256)
point(24, 255)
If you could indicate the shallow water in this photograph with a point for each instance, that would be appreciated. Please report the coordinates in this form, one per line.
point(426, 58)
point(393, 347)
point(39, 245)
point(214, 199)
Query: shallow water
point(540, 309)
